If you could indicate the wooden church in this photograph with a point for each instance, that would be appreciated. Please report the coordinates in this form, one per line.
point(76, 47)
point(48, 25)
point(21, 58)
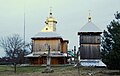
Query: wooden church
point(48, 36)
point(89, 44)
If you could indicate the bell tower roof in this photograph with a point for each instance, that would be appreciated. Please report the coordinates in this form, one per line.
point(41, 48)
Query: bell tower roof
point(89, 26)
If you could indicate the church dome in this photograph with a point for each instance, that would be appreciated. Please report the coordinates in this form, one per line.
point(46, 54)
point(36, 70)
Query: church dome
point(50, 19)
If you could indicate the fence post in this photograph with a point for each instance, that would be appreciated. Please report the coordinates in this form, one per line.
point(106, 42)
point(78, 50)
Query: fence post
point(15, 67)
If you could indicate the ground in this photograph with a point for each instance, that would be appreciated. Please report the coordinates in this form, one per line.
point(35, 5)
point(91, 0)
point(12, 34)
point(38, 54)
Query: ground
point(7, 70)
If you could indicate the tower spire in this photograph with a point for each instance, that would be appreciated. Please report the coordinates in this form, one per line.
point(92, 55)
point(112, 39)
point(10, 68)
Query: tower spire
point(51, 11)
point(50, 23)
point(89, 17)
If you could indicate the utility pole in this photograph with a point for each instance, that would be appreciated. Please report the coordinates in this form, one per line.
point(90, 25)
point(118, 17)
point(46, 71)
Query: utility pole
point(24, 23)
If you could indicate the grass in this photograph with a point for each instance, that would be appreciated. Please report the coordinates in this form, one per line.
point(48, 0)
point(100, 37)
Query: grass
point(29, 69)
point(7, 70)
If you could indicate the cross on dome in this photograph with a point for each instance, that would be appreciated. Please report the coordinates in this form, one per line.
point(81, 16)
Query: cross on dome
point(89, 17)
point(50, 11)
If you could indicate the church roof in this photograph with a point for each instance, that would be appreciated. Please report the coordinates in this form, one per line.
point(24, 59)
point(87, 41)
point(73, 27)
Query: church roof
point(92, 62)
point(90, 27)
point(47, 35)
point(45, 54)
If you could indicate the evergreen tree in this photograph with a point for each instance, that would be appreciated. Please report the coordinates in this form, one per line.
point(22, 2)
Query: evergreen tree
point(111, 44)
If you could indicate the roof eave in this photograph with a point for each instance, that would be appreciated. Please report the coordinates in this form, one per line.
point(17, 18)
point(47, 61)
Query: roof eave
point(36, 38)
point(79, 33)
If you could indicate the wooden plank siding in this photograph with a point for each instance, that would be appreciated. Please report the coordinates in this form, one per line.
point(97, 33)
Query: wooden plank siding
point(89, 46)
point(56, 45)
point(39, 45)
point(43, 60)
point(90, 39)
point(38, 60)
point(64, 47)
point(88, 51)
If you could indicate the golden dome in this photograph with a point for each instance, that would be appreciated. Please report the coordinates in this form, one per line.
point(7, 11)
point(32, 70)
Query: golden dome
point(50, 19)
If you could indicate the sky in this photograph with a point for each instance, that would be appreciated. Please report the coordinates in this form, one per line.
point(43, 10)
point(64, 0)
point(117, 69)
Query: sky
point(71, 15)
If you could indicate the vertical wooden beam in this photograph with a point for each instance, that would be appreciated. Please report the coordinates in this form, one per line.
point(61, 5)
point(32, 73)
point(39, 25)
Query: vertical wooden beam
point(75, 54)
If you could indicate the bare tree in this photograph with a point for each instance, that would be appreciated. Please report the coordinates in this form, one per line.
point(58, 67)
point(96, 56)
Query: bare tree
point(14, 48)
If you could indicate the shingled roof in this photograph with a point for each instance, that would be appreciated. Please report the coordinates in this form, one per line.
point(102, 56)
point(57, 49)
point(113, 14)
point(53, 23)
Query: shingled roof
point(90, 27)
point(47, 35)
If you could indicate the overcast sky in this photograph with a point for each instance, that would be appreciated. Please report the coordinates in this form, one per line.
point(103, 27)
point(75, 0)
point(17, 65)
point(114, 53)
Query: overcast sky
point(70, 14)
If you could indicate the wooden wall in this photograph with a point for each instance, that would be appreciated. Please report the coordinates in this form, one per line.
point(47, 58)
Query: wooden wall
point(38, 60)
point(88, 51)
point(90, 46)
point(55, 45)
point(39, 45)
point(64, 47)
point(90, 39)
point(43, 60)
